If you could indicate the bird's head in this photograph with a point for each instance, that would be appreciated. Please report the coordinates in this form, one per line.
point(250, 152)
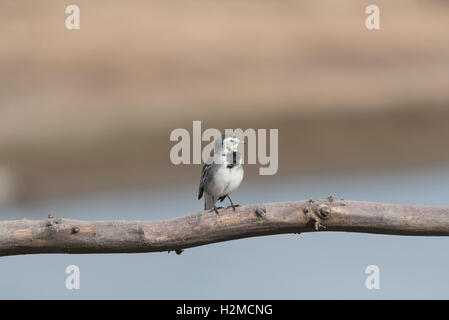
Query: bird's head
point(229, 143)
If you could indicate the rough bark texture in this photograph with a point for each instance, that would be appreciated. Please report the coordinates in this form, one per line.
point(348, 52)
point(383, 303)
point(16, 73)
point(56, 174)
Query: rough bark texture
point(55, 235)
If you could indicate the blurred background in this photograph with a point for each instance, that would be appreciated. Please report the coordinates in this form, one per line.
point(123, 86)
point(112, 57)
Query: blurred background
point(86, 115)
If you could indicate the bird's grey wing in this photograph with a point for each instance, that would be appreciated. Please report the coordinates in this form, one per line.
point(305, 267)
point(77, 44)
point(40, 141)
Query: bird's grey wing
point(204, 175)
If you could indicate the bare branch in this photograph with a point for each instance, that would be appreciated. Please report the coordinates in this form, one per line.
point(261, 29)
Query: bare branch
point(70, 236)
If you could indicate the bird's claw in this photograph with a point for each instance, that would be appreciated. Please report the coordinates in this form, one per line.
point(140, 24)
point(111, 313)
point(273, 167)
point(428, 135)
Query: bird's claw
point(233, 206)
point(215, 209)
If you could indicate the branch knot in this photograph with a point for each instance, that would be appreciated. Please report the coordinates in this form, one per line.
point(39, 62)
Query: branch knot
point(261, 212)
point(318, 210)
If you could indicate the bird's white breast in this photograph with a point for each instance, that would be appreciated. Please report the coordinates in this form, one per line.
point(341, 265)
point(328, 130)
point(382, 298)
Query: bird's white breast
point(226, 181)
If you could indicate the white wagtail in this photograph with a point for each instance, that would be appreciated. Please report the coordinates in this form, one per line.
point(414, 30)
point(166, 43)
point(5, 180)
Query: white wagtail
point(222, 173)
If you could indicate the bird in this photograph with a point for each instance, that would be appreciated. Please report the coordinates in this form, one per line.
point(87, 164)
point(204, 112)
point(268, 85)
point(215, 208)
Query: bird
point(222, 173)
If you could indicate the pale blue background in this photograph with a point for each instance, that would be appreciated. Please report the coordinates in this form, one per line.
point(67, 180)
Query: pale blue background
point(324, 265)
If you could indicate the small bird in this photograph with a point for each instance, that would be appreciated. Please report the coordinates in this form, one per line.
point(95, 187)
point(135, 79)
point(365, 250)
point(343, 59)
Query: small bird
point(222, 173)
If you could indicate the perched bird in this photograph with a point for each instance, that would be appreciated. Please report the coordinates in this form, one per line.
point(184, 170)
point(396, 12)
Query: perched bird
point(222, 173)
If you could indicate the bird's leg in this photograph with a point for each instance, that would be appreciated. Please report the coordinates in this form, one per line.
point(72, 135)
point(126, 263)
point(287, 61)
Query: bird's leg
point(215, 208)
point(232, 204)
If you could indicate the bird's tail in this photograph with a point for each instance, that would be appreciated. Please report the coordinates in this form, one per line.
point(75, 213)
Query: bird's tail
point(208, 202)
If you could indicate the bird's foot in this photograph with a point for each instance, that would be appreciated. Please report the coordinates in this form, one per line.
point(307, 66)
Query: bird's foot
point(233, 206)
point(215, 209)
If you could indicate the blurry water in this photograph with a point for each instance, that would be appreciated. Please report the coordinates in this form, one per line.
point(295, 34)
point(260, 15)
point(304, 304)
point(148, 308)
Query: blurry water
point(313, 265)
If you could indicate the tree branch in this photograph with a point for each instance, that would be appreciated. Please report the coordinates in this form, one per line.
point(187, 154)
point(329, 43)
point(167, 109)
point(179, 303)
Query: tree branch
point(71, 236)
